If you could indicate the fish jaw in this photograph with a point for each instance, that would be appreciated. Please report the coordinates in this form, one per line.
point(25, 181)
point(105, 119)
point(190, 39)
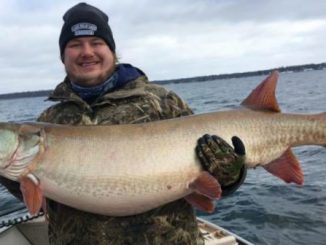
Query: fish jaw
point(19, 147)
point(9, 143)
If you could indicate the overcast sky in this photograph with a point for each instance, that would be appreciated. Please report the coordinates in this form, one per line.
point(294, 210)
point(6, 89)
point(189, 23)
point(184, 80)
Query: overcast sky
point(167, 38)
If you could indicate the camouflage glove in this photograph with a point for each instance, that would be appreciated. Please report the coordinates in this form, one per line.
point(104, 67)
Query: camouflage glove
point(222, 161)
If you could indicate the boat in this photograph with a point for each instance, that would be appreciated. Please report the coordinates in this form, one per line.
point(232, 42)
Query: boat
point(20, 228)
point(216, 235)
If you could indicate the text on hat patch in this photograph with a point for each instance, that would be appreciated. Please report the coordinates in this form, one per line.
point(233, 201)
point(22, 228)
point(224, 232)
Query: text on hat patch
point(84, 28)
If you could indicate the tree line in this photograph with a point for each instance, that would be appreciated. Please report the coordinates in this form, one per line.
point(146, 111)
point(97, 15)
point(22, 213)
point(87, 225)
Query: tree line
point(297, 68)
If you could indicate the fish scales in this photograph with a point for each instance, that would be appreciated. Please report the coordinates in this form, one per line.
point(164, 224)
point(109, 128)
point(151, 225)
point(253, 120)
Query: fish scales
point(161, 154)
point(128, 169)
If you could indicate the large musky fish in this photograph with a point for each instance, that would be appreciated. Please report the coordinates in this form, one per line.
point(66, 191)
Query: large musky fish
point(128, 169)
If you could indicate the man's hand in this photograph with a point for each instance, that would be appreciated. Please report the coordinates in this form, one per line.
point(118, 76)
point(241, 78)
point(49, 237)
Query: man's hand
point(222, 160)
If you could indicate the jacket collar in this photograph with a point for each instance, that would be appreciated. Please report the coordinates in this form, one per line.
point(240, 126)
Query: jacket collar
point(125, 74)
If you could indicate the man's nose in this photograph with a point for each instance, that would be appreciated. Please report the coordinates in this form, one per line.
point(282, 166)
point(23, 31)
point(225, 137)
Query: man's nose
point(87, 50)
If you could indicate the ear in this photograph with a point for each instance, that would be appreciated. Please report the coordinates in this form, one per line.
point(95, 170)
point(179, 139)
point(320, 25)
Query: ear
point(62, 57)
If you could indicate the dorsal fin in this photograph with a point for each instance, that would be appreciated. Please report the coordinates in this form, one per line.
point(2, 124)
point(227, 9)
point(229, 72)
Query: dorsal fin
point(263, 96)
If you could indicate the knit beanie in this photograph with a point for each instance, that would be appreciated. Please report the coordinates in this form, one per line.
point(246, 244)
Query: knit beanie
point(85, 20)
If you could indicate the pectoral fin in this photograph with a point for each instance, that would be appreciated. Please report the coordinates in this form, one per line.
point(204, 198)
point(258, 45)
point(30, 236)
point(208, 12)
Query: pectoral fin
point(32, 193)
point(287, 168)
point(206, 188)
point(201, 202)
point(206, 185)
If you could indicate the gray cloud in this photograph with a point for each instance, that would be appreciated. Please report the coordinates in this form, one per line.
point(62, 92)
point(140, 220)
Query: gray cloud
point(167, 39)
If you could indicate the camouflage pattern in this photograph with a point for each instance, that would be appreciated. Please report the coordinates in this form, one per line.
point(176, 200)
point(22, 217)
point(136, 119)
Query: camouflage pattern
point(225, 163)
point(138, 101)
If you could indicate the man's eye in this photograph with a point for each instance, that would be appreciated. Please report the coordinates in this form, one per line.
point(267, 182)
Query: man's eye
point(98, 43)
point(73, 45)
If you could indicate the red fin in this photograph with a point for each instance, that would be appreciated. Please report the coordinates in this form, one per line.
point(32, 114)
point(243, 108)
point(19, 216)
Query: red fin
point(201, 202)
point(287, 168)
point(206, 185)
point(32, 193)
point(263, 96)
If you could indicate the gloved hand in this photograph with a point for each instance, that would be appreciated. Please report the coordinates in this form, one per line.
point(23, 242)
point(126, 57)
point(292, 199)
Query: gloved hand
point(223, 161)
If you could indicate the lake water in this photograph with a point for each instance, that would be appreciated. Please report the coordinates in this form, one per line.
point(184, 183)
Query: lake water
point(264, 210)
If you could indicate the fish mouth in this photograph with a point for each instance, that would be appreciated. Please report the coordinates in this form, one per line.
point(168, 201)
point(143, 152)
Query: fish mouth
point(12, 157)
point(20, 159)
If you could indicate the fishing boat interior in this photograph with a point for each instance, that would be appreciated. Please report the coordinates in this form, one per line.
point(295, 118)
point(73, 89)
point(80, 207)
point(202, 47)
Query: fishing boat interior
point(19, 227)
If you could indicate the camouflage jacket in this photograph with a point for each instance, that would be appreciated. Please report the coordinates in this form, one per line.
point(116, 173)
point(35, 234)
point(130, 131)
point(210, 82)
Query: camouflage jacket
point(136, 102)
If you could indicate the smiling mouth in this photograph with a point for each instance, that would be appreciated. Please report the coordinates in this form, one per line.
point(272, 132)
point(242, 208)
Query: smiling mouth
point(89, 64)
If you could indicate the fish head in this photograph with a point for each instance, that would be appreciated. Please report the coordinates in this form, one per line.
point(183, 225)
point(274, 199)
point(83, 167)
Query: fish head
point(19, 145)
point(9, 143)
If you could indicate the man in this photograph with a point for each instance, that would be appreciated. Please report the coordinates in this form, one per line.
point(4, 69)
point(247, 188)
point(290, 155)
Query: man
point(98, 90)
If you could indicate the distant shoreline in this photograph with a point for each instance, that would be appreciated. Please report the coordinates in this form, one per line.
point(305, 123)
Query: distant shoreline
point(297, 68)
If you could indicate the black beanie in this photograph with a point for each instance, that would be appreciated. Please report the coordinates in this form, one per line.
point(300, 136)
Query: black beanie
point(85, 20)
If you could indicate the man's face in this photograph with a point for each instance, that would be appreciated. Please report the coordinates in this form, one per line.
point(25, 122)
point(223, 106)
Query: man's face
point(88, 61)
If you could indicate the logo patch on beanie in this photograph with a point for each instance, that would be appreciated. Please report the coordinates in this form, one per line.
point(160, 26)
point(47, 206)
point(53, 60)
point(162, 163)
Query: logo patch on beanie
point(84, 29)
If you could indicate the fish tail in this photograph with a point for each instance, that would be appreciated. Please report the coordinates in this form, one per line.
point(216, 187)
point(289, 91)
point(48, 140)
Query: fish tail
point(317, 132)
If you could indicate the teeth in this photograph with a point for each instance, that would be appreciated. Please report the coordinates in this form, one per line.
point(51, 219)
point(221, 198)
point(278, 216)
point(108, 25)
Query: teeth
point(89, 64)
